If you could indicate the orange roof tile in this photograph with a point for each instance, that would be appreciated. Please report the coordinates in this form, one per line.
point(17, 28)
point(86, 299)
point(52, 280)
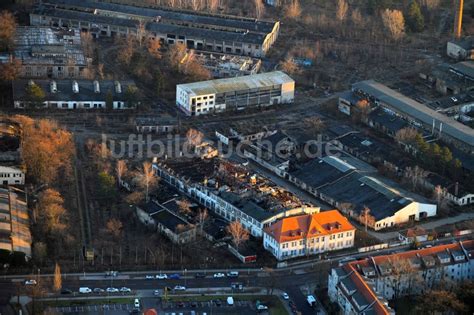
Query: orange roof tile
point(309, 225)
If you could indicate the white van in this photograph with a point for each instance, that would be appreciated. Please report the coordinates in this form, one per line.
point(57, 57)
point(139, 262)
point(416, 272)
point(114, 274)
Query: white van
point(84, 290)
point(136, 304)
point(230, 301)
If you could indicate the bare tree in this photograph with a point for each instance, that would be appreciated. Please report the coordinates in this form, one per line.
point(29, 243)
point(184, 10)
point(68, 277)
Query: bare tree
point(40, 252)
point(341, 10)
point(406, 135)
point(293, 10)
point(121, 170)
point(213, 5)
point(57, 282)
point(114, 227)
point(415, 175)
point(147, 178)
point(259, 8)
point(289, 66)
point(184, 206)
point(194, 137)
point(356, 18)
point(154, 48)
point(141, 32)
point(314, 124)
point(202, 218)
point(394, 22)
point(238, 232)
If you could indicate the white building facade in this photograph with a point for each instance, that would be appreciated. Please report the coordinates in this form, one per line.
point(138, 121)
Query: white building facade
point(11, 176)
point(239, 93)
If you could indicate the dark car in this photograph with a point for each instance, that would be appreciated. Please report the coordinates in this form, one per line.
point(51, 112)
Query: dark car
point(218, 302)
point(194, 304)
point(174, 276)
point(200, 275)
point(180, 304)
point(66, 291)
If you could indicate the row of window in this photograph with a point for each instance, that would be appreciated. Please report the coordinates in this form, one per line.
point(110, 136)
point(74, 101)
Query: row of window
point(8, 175)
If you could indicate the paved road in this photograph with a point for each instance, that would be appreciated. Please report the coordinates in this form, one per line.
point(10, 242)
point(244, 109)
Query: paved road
point(291, 279)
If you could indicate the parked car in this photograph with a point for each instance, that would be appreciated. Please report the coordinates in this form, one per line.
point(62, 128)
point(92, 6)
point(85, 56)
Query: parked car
point(30, 282)
point(136, 303)
point(156, 292)
point(112, 290)
point(149, 277)
point(161, 276)
point(98, 290)
point(180, 304)
point(66, 291)
point(285, 296)
point(179, 288)
point(233, 274)
point(174, 276)
point(193, 304)
point(230, 301)
point(125, 289)
point(219, 275)
point(218, 302)
point(111, 273)
point(84, 290)
point(262, 307)
point(200, 275)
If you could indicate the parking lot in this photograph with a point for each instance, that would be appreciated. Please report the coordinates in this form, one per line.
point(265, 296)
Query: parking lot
point(216, 307)
point(93, 309)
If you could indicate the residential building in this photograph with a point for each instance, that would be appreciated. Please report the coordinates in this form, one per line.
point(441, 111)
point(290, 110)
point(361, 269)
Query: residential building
point(15, 235)
point(417, 114)
point(46, 52)
point(239, 93)
point(357, 189)
point(201, 31)
point(11, 176)
point(461, 49)
point(364, 286)
point(77, 94)
point(308, 234)
point(166, 220)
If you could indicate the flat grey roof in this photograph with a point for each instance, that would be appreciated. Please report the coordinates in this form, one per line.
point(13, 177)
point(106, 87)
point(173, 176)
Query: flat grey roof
point(255, 81)
point(416, 110)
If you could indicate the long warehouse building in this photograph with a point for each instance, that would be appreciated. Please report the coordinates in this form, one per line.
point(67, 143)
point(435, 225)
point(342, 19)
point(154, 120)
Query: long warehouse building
point(239, 93)
point(447, 128)
point(211, 32)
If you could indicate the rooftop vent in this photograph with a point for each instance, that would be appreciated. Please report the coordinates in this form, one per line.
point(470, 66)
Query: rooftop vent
point(53, 87)
point(75, 87)
point(96, 87)
point(118, 87)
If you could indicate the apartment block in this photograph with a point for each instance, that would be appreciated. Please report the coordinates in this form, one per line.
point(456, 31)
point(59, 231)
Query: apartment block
point(365, 286)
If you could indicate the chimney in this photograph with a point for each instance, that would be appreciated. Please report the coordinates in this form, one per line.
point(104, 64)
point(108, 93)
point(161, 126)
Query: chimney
point(458, 19)
point(53, 87)
point(75, 87)
point(118, 87)
point(96, 87)
point(456, 189)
